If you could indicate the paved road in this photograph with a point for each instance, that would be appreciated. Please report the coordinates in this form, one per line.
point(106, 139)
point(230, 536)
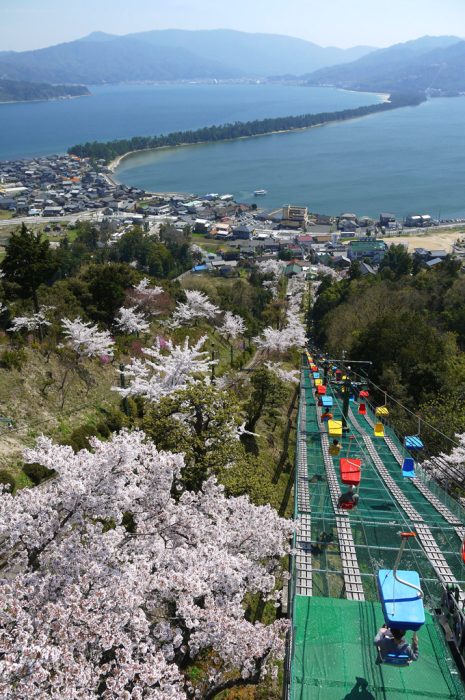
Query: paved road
point(68, 218)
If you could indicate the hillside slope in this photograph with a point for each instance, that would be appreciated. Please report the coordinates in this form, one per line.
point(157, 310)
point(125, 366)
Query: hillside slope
point(436, 63)
point(170, 55)
point(20, 91)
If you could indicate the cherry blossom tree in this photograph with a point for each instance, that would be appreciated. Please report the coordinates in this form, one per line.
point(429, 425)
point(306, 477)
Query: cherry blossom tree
point(146, 291)
point(163, 371)
point(232, 327)
point(292, 375)
point(204, 423)
point(148, 299)
point(197, 305)
point(33, 322)
point(115, 589)
point(446, 468)
point(274, 341)
point(85, 338)
point(272, 269)
point(129, 320)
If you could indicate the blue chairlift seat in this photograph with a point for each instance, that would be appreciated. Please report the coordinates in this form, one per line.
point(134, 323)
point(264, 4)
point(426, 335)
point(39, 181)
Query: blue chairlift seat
point(408, 468)
point(402, 606)
point(394, 659)
point(413, 442)
point(327, 401)
point(316, 375)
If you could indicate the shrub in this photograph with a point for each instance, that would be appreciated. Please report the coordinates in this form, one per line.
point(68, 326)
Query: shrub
point(7, 479)
point(37, 472)
point(114, 420)
point(79, 438)
point(13, 359)
point(103, 429)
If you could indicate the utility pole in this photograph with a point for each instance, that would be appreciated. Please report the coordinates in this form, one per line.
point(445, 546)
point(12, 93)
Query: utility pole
point(122, 383)
point(213, 359)
point(346, 389)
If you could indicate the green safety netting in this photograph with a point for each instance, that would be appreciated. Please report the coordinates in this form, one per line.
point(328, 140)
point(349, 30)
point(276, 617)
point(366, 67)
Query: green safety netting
point(334, 657)
point(324, 666)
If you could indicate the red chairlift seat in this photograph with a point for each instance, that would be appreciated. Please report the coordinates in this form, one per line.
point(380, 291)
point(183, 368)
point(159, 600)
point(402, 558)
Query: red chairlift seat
point(364, 394)
point(362, 409)
point(346, 506)
point(321, 389)
point(351, 470)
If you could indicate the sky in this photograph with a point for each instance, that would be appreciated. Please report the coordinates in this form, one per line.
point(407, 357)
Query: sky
point(31, 24)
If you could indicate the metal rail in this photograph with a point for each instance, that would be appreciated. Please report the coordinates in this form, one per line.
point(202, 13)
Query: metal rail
point(303, 557)
point(425, 535)
point(350, 568)
point(428, 494)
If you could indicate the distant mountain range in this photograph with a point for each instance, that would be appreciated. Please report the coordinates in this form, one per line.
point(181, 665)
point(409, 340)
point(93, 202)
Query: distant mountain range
point(435, 64)
point(171, 55)
point(21, 91)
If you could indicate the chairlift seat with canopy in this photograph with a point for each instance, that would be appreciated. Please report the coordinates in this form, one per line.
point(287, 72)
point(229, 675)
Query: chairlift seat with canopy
point(379, 430)
point(335, 428)
point(402, 606)
point(321, 389)
point(350, 470)
point(318, 382)
point(408, 468)
point(327, 401)
point(382, 411)
point(362, 409)
point(316, 375)
point(364, 394)
point(413, 442)
point(401, 595)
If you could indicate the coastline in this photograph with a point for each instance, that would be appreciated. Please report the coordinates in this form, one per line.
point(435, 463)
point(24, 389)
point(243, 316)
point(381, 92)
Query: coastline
point(116, 162)
point(45, 99)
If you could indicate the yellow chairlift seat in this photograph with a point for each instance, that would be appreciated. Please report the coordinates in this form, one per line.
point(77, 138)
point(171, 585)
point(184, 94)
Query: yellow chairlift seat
point(318, 382)
point(379, 430)
point(335, 428)
point(382, 411)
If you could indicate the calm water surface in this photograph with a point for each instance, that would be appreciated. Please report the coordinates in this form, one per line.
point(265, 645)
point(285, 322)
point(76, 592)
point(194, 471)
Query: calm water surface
point(121, 111)
point(411, 159)
point(407, 160)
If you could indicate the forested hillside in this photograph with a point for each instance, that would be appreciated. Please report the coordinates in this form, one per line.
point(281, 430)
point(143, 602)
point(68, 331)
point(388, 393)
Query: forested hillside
point(429, 63)
point(20, 91)
point(410, 323)
point(171, 55)
point(148, 504)
point(112, 149)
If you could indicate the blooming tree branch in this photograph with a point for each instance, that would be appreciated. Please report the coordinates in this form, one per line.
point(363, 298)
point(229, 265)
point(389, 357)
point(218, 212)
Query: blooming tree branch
point(197, 305)
point(86, 339)
point(163, 371)
point(129, 320)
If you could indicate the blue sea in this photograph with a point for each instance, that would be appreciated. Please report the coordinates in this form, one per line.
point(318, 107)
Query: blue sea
point(411, 159)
